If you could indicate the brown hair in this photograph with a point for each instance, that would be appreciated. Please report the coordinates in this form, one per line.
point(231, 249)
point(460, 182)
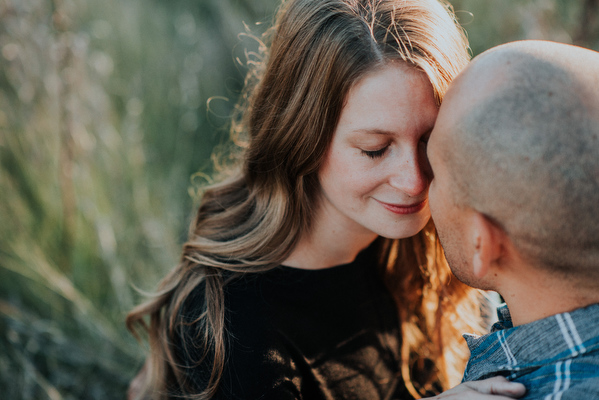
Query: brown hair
point(288, 114)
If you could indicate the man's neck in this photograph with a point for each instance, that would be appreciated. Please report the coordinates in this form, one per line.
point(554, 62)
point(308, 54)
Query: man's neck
point(536, 295)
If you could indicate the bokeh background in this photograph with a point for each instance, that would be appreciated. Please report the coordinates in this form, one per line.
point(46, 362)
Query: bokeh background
point(109, 112)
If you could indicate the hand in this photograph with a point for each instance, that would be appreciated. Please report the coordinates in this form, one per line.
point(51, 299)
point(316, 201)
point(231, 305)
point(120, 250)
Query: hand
point(497, 388)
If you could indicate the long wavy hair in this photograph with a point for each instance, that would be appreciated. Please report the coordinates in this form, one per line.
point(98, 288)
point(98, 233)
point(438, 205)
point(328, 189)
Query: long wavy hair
point(250, 222)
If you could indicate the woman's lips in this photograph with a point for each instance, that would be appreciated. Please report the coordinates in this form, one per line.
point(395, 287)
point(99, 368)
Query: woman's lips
point(404, 208)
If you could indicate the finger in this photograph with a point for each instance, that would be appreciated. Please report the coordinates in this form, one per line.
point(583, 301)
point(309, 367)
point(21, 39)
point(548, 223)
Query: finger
point(470, 396)
point(498, 385)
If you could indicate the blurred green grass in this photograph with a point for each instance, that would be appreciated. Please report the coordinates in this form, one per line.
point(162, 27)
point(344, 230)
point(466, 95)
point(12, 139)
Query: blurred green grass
point(103, 123)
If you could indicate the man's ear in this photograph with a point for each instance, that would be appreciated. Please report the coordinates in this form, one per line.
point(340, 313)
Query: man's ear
point(485, 239)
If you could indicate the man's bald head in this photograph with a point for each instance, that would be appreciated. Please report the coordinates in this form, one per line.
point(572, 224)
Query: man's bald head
point(521, 143)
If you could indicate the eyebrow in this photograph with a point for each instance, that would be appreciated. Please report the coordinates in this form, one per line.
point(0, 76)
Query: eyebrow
point(375, 131)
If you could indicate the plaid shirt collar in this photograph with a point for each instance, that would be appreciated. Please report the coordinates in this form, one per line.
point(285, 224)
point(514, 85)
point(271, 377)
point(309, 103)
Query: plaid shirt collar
point(512, 351)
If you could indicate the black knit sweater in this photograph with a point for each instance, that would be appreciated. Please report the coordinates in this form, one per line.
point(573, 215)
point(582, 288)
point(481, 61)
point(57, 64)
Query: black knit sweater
point(305, 334)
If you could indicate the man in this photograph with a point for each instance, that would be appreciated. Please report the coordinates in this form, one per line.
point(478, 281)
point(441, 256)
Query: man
point(515, 198)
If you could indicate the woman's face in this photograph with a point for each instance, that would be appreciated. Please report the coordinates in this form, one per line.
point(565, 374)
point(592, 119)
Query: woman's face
point(375, 176)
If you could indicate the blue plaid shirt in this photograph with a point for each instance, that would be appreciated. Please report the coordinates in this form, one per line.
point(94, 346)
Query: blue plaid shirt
point(555, 358)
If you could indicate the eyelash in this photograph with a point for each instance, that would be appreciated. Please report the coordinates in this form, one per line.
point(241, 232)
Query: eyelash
point(380, 152)
point(375, 154)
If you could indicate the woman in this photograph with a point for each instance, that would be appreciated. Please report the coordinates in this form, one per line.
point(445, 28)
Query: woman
point(279, 293)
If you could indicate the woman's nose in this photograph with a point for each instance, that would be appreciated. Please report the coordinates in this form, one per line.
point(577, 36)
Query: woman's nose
point(411, 174)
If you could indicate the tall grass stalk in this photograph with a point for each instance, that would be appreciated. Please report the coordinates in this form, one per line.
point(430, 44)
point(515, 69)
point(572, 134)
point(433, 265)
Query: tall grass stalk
point(102, 124)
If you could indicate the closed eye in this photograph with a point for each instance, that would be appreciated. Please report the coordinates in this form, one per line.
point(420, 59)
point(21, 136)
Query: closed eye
point(375, 153)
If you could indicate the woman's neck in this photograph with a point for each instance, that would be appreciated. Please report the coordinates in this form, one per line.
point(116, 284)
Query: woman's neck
point(329, 243)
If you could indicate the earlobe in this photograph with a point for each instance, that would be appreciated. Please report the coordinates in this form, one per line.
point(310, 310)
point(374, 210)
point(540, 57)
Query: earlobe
point(484, 245)
point(478, 267)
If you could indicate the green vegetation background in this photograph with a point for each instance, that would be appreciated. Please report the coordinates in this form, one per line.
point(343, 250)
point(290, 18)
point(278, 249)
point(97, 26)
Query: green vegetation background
point(109, 111)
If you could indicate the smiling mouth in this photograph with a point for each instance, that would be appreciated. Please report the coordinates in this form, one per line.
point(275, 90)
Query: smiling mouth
point(404, 208)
